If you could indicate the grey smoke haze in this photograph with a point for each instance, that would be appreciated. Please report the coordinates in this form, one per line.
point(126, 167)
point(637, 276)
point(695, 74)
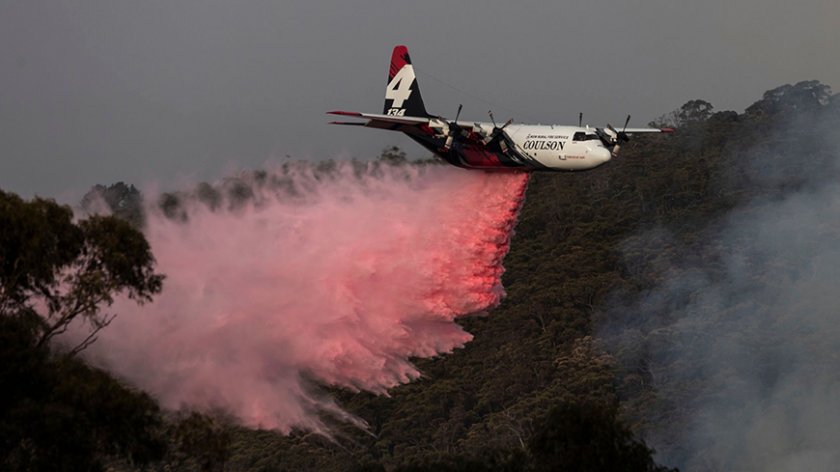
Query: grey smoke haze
point(745, 363)
point(98, 91)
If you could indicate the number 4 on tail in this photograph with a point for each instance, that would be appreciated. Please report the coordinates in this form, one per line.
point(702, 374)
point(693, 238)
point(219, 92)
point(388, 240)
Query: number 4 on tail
point(399, 89)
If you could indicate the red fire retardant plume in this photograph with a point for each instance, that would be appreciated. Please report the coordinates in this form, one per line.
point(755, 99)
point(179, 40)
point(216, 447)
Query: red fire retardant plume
point(337, 279)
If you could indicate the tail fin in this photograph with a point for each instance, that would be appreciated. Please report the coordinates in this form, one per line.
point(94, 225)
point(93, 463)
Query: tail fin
point(402, 95)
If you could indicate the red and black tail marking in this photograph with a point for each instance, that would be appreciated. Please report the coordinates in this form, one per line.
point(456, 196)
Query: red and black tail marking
point(402, 94)
point(399, 58)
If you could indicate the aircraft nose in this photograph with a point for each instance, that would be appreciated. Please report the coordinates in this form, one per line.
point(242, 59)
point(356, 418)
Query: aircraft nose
point(601, 155)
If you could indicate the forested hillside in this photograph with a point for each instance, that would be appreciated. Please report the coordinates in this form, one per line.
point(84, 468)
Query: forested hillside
point(566, 374)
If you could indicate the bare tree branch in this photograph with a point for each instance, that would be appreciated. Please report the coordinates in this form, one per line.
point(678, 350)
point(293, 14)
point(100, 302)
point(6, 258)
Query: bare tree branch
point(91, 338)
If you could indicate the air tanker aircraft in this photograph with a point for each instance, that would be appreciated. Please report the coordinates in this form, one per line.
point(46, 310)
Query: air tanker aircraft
point(481, 145)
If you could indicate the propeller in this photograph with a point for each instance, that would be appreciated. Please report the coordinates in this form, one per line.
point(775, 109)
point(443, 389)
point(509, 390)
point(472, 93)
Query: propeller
point(580, 119)
point(614, 138)
point(620, 136)
point(497, 131)
point(453, 129)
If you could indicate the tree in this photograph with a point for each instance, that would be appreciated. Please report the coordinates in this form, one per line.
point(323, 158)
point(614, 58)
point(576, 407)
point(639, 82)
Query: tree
point(66, 271)
point(692, 112)
point(588, 437)
point(122, 200)
point(803, 96)
point(393, 155)
point(695, 111)
point(198, 442)
point(56, 413)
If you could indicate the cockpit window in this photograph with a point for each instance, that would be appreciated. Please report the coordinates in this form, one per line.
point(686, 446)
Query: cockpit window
point(581, 136)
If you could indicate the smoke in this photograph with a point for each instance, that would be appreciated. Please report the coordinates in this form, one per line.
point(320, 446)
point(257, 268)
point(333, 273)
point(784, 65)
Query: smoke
point(338, 276)
point(741, 340)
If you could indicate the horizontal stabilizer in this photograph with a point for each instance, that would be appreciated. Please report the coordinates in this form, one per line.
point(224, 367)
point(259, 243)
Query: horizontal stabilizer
point(348, 123)
point(403, 120)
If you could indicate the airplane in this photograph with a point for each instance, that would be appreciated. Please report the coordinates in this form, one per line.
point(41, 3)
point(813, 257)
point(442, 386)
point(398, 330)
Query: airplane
point(487, 146)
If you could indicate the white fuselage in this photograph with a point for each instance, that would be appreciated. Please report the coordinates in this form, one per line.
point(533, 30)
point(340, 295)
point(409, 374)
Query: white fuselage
point(556, 147)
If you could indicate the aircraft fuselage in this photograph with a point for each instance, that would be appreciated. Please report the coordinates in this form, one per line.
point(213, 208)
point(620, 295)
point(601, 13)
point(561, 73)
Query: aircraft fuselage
point(530, 147)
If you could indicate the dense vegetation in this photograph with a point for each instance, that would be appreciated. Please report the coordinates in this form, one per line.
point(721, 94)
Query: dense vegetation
point(537, 389)
point(56, 413)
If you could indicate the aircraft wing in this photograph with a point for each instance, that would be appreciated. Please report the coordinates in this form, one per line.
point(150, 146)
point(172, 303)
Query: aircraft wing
point(648, 130)
point(377, 120)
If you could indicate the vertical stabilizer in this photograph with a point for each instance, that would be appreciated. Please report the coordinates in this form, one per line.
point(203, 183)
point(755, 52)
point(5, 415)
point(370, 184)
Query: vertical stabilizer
point(402, 95)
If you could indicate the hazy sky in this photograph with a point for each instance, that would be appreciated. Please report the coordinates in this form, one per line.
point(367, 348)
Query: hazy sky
point(97, 91)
